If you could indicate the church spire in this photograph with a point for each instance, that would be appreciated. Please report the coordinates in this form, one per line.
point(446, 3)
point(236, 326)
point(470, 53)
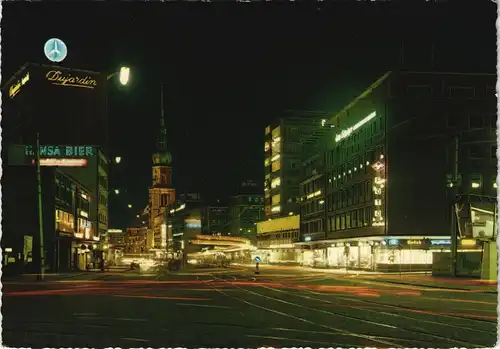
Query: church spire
point(162, 156)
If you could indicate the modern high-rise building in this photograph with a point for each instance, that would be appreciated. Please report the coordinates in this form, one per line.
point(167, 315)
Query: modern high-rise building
point(379, 187)
point(282, 161)
point(161, 193)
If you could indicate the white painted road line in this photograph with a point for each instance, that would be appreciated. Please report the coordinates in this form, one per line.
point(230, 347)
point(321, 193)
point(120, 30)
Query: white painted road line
point(202, 305)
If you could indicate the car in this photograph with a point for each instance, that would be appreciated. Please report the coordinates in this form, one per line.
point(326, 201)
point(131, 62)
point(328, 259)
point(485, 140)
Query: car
point(135, 265)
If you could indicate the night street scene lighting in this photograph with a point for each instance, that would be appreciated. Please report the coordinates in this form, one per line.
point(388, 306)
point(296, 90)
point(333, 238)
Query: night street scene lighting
point(332, 183)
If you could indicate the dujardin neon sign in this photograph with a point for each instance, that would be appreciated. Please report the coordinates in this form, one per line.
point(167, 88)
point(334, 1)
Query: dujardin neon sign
point(61, 151)
point(59, 78)
point(347, 132)
point(15, 88)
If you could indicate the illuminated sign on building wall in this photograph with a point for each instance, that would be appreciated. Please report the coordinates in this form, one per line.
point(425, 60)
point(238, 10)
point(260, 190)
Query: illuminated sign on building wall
point(64, 162)
point(57, 77)
point(378, 194)
point(284, 223)
point(163, 241)
point(16, 87)
point(61, 151)
point(347, 132)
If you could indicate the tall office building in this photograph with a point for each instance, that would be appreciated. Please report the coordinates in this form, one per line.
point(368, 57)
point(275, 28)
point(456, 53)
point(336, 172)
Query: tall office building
point(282, 161)
point(379, 190)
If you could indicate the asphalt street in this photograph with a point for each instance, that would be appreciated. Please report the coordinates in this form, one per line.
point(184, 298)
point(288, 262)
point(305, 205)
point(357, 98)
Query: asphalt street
point(237, 308)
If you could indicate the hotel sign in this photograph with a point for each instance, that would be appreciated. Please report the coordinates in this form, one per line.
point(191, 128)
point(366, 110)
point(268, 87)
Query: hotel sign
point(15, 88)
point(57, 77)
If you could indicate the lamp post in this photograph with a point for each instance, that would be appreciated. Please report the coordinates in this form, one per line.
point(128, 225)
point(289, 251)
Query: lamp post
point(124, 76)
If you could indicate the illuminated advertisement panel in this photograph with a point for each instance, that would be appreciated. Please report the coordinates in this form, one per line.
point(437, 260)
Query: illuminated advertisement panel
point(52, 155)
point(75, 100)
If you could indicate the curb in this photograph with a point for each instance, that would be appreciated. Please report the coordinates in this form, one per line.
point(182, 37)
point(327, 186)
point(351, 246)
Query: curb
point(434, 286)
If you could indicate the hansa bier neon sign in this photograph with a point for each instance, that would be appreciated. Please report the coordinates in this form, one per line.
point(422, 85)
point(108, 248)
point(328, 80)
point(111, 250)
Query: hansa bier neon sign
point(62, 155)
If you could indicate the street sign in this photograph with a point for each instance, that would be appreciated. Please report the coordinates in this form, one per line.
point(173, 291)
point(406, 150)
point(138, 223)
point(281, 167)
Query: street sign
point(257, 259)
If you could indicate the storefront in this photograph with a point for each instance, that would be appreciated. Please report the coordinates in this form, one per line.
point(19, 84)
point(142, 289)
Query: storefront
point(384, 254)
point(84, 254)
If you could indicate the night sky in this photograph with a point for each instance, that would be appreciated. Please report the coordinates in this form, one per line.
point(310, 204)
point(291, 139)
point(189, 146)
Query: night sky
point(228, 69)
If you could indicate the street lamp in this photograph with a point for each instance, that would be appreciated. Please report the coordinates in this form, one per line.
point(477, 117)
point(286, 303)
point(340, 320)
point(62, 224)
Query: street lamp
point(117, 191)
point(118, 159)
point(129, 206)
point(124, 75)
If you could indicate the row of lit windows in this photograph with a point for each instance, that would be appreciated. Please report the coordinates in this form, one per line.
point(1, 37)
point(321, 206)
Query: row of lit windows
point(65, 221)
point(354, 219)
point(312, 186)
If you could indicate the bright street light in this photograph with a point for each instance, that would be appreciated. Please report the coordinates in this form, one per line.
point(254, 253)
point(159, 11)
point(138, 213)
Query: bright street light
point(129, 206)
point(137, 216)
point(124, 75)
point(117, 191)
point(118, 159)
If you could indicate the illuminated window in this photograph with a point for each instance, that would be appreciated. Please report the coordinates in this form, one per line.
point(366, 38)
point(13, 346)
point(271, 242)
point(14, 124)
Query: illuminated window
point(476, 181)
point(276, 182)
point(276, 199)
point(276, 166)
point(276, 132)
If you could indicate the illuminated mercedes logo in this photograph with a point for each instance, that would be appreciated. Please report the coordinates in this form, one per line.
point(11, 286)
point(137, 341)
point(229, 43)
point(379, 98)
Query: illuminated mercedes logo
point(55, 50)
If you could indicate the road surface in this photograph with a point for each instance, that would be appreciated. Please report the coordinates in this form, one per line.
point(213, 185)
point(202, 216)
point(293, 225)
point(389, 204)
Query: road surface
point(237, 308)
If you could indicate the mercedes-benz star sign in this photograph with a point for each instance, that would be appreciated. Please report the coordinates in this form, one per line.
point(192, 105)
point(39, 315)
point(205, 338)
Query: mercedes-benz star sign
point(55, 50)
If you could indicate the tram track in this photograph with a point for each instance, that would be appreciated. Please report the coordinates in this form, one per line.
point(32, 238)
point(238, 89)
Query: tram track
point(336, 330)
point(379, 339)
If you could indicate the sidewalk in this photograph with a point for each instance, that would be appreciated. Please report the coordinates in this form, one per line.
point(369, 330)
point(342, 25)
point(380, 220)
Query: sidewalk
point(463, 284)
point(406, 278)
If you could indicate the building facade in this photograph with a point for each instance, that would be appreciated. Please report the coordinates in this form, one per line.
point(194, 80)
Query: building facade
point(136, 240)
point(276, 240)
point(282, 161)
point(378, 192)
point(215, 220)
point(183, 225)
point(73, 147)
point(245, 211)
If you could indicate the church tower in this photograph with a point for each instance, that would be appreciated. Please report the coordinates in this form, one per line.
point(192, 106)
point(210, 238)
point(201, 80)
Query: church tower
point(161, 194)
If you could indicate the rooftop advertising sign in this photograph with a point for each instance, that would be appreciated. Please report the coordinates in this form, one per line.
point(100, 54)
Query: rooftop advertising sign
point(52, 155)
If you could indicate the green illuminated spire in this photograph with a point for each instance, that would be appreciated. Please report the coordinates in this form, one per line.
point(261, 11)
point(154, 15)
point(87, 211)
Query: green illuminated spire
point(162, 156)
